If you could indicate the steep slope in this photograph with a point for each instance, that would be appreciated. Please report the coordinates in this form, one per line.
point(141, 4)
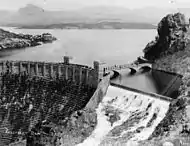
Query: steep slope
point(31, 106)
point(171, 52)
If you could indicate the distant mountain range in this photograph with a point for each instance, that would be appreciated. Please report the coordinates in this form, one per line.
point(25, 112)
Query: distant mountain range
point(32, 16)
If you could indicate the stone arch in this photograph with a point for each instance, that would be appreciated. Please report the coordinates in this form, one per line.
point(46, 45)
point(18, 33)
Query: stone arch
point(115, 74)
point(147, 68)
point(133, 70)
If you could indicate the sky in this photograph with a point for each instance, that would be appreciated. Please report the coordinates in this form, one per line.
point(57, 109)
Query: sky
point(77, 4)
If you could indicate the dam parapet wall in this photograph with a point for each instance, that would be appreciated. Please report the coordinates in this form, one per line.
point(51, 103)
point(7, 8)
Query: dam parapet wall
point(80, 74)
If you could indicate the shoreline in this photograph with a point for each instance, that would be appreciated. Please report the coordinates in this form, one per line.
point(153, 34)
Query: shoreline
point(88, 28)
point(14, 41)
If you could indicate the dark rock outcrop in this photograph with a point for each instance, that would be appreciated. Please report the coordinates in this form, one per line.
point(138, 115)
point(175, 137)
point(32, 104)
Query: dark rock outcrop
point(9, 40)
point(172, 37)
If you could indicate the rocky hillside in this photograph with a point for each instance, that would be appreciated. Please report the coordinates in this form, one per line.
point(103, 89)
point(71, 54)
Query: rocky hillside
point(170, 51)
point(171, 38)
point(10, 40)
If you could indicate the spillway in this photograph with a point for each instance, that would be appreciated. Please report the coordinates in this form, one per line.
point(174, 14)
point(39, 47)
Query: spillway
point(126, 117)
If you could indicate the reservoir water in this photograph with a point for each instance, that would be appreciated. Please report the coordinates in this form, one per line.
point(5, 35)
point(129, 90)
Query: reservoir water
point(85, 46)
point(109, 46)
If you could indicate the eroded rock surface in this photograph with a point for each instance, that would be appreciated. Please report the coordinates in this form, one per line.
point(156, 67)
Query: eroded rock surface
point(172, 37)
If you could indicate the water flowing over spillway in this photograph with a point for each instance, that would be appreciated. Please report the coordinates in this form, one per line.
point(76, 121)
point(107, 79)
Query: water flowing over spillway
point(126, 117)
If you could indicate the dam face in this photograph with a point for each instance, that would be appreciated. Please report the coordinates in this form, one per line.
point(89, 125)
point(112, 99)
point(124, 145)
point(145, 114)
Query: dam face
point(126, 117)
point(27, 101)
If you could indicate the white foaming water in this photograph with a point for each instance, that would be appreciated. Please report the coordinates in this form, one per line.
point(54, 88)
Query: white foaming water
point(129, 104)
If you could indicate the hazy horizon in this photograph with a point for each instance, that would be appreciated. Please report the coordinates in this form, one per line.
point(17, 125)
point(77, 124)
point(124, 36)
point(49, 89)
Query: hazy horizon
point(78, 4)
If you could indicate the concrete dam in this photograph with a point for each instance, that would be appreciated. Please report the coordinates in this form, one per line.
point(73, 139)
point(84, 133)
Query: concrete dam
point(53, 91)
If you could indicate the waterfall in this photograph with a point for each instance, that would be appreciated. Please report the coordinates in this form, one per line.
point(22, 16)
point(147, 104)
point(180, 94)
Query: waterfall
point(125, 117)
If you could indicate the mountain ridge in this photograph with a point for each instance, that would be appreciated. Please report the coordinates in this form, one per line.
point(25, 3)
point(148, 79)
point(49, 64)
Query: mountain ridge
point(32, 15)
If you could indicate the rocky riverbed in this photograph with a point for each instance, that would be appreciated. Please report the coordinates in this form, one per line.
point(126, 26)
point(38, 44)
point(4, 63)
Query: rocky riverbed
point(10, 40)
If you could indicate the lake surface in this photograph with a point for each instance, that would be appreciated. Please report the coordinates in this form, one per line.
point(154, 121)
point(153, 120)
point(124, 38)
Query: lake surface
point(85, 46)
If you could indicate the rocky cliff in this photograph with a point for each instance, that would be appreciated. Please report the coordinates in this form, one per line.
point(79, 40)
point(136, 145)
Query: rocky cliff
point(171, 38)
point(10, 40)
point(170, 51)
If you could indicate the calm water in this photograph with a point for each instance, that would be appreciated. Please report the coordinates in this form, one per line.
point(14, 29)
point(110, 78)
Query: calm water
point(85, 46)
point(147, 82)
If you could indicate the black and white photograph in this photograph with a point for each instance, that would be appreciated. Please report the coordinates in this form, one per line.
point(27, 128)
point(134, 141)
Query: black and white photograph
point(94, 72)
